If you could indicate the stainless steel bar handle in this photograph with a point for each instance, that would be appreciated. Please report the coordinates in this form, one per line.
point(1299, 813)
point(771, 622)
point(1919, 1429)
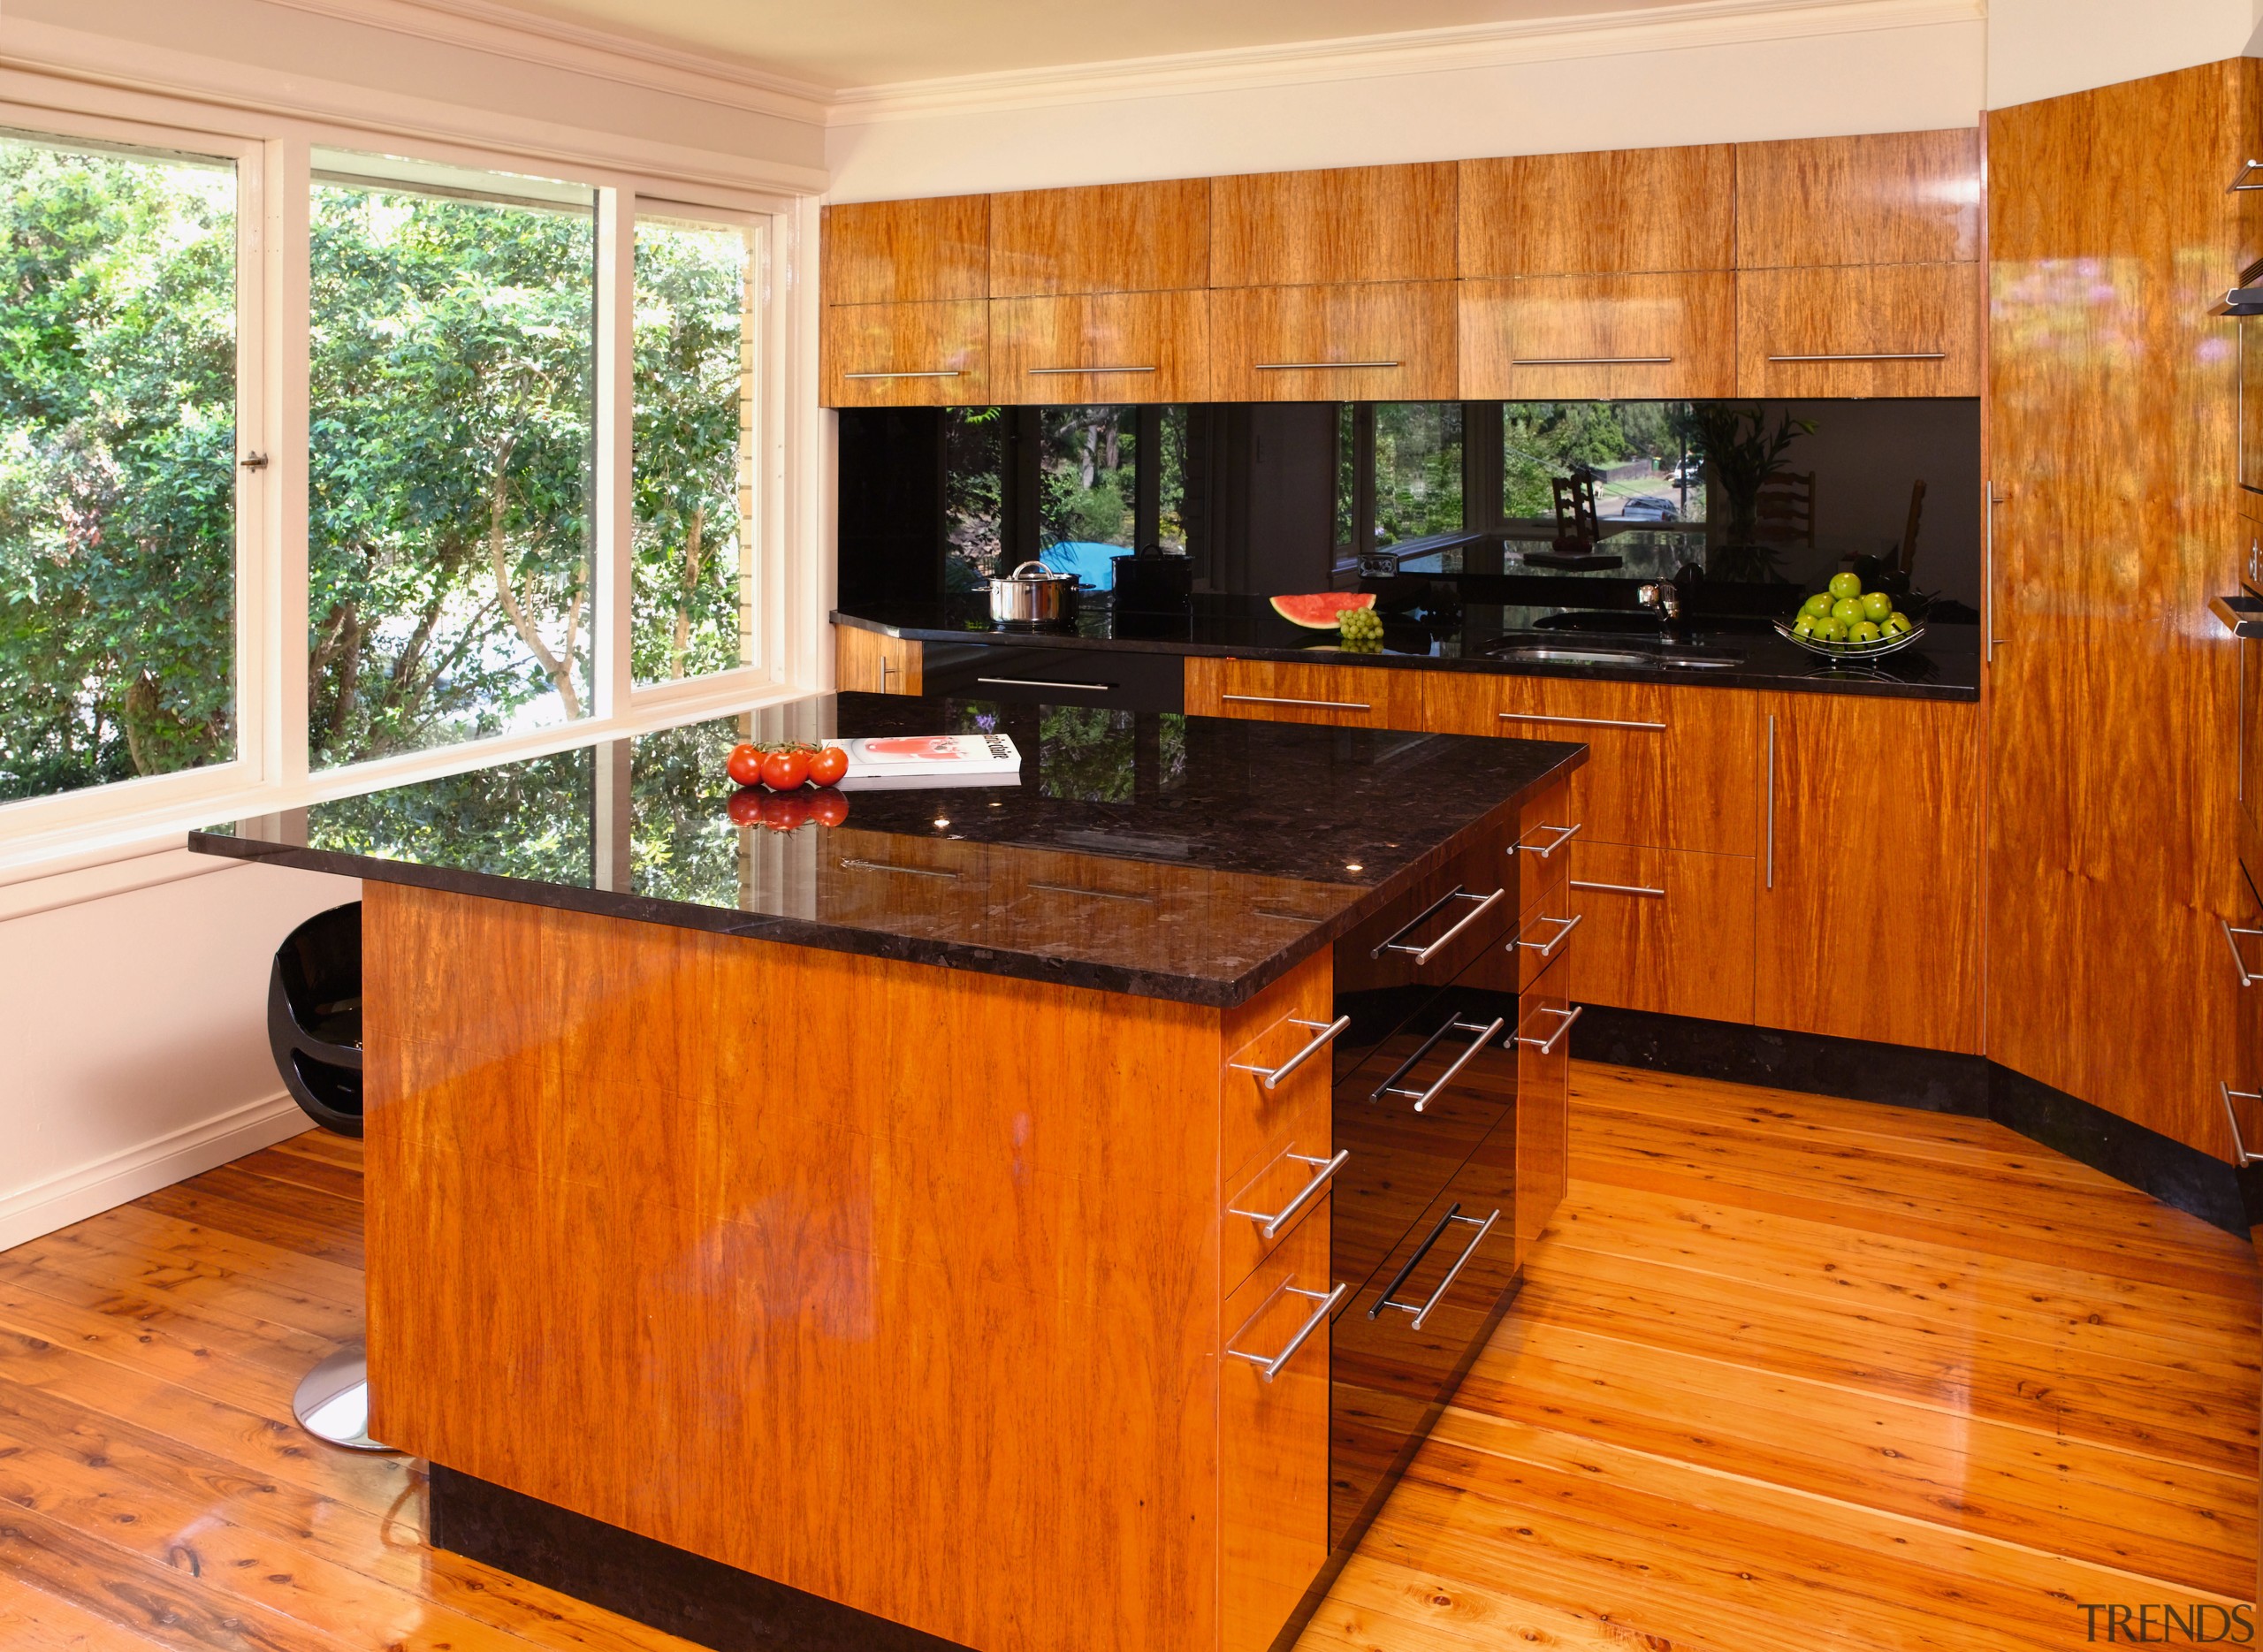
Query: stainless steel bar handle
point(2247, 171)
point(1869, 355)
point(1096, 894)
point(1589, 360)
point(1091, 369)
point(1988, 571)
point(2238, 1142)
point(1040, 682)
point(940, 372)
point(1583, 722)
point(2232, 932)
point(1454, 1273)
point(1306, 367)
point(1271, 1224)
point(1768, 798)
point(1275, 699)
point(1423, 954)
point(1564, 834)
point(1423, 1098)
point(1564, 927)
point(1270, 1368)
point(1620, 888)
point(1272, 1078)
point(1546, 1045)
point(909, 872)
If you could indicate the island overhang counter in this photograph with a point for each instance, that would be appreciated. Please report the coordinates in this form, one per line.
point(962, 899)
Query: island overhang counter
point(935, 1229)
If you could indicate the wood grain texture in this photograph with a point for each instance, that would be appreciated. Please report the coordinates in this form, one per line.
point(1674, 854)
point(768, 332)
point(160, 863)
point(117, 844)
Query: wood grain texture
point(1868, 922)
point(906, 252)
point(1543, 1097)
point(867, 662)
point(1350, 224)
point(1667, 930)
point(1923, 311)
point(1889, 198)
point(1600, 212)
point(1390, 341)
point(1667, 767)
point(1268, 691)
point(1035, 342)
point(1106, 238)
point(1599, 337)
point(930, 355)
point(2111, 408)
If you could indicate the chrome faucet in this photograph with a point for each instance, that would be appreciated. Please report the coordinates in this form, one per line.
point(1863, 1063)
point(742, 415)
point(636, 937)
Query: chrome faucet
point(1664, 598)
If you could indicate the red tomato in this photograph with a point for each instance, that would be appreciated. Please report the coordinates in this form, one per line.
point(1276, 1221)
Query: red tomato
point(785, 771)
point(828, 766)
point(746, 806)
point(785, 812)
point(828, 808)
point(745, 765)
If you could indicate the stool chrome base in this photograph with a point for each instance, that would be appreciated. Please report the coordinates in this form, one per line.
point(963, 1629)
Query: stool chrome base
point(332, 1402)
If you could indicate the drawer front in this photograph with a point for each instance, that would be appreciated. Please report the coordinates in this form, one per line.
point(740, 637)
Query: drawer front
point(1278, 691)
point(1599, 337)
point(1275, 1087)
point(907, 355)
point(1544, 1090)
point(1663, 930)
point(1864, 330)
point(1667, 767)
point(1365, 341)
point(1273, 1469)
point(1115, 347)
point(1057, 676)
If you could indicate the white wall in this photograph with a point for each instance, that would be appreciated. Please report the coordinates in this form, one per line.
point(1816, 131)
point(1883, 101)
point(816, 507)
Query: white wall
point(2048, 47)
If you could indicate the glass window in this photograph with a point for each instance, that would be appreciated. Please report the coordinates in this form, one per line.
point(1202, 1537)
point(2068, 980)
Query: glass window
point(1418, 469)
point(450, 577)
point(1171, 484)
point(694, 485)
point(973, 523)
point(1644, 454)
point(1087, 498)
point(118, 432)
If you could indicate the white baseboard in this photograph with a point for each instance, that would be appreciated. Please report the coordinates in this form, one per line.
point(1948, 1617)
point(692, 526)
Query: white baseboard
point(116, 1178)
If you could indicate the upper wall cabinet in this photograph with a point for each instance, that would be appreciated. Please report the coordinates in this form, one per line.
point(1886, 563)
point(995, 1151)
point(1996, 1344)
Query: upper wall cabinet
point(906, 356)
point(899, 252)
point(1607, 212)
point(1354, 341)
point(1355, 223)
point(1114, 347)
point(1900, 198)
point(1116, 238)
point(1861, 330)
point(1671, 334)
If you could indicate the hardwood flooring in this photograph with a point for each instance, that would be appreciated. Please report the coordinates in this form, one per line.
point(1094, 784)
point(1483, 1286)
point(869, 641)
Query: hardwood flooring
point(1788, 1372)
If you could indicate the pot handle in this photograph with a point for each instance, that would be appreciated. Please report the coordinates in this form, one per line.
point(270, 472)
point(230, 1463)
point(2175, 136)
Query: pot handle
point(1039, 567)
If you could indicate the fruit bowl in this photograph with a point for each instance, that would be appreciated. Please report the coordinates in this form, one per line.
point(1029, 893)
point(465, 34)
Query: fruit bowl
point(1850, 651)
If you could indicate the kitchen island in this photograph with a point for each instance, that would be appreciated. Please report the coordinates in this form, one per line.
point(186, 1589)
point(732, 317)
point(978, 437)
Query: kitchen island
point(1012, 1217)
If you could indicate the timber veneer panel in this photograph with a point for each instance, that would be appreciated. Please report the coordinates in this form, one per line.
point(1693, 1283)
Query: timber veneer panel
point(1279, 692)
point(1601, 211)
point(1047, 351)
point(904, 252)
point(1869, 330)
point(1609, 336)
point(867, 662)
point(906, 356)
point(1350, 224)
point(1889, 198)
point(1380, 340)
point(1107, 237)
point(1667, 930)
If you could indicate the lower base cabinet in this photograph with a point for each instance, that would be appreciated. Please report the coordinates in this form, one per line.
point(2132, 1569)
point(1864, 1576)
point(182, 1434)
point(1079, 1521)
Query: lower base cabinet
point(1667, 930)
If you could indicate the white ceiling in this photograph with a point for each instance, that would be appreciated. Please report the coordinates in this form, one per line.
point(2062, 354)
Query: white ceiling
point(839, 43)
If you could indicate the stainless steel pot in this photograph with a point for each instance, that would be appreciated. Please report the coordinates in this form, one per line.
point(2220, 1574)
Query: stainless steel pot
point(1032, 594)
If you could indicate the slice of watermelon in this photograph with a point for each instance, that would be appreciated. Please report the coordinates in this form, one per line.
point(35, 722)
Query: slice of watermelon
point(1319, 612)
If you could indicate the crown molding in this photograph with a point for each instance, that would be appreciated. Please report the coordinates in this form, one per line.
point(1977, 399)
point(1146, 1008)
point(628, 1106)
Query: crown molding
point(1419, 51)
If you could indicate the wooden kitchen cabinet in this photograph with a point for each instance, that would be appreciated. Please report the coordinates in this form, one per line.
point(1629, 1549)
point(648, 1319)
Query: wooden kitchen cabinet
point(870, 662)
point(1543, 1133)
point(1280, 691)
point(903, 252)
point(1107, 237)
point(1115, 348)
point(1871, 330)
point(1890, 198)
point(1349, 223)
point(1600, 212)
point(1370, 341)
point(1599, 336)
point(1666, 931)
point(1868, 919)
point(906, 356)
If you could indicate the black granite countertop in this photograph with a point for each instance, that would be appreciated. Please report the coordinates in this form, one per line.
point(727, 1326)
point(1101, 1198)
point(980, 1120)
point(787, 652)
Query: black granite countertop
point(1725, 652)
point(1181, 857)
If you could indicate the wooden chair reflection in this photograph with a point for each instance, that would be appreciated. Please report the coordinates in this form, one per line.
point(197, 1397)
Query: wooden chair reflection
point(1784, 509)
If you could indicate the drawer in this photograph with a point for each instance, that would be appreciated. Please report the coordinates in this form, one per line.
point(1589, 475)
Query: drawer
point(1279, 692)
point(1663, 930)
point(907, 355)
point(1544, 1090)
point(1286, 1039)
point(1540, 855)
point(1056, 676)
point(1668, 766)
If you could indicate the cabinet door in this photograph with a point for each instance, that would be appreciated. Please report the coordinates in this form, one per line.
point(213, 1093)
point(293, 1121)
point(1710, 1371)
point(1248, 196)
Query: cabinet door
point(1351, 224)
point(1378, 341)
point(867, 662)
point(1109, 237)
point(1874, 330)
point(903, 252)
point(1663, 930)
point(1898, 197)
point(1599, 337)
point(1115, 348)
point(1605, 211)
point(1280, 691)
point(1868, 920)
point(907, 355)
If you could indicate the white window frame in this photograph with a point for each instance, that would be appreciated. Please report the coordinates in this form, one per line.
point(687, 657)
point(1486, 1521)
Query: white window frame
point(270, 772)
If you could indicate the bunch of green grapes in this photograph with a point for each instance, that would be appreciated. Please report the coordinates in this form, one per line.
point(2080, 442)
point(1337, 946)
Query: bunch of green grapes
point(1361, 629)
point(1847, 613)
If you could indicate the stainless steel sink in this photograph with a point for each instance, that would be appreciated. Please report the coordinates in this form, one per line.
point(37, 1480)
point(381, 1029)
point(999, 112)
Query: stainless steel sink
point(1572, 654)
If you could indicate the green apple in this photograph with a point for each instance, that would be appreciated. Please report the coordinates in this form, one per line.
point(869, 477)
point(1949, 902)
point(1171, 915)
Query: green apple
point(1848, 610)
point(1897, 622)
point(1877, 605)
point(1831, 628)
point(1846, 585)
point(1863, 631)
point(1805, 626)
point(1817, 604)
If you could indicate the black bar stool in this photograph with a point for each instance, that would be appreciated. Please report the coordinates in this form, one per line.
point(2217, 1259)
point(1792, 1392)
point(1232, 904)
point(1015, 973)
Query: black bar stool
point(314, 1026)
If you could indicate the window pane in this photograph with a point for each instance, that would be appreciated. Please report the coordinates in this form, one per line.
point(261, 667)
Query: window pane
point(1087, 490)
point(1644, 455)
point(1418, 469)
point(118, 432)
point(450, 574)
point(693, 606)
point(1170, 489)
point(973, 442)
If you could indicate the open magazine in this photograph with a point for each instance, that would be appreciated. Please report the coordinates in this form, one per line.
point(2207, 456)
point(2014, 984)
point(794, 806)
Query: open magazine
point(890, 761)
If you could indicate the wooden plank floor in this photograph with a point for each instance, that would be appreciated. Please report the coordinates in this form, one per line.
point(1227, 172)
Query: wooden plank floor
point(1788, 1373)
